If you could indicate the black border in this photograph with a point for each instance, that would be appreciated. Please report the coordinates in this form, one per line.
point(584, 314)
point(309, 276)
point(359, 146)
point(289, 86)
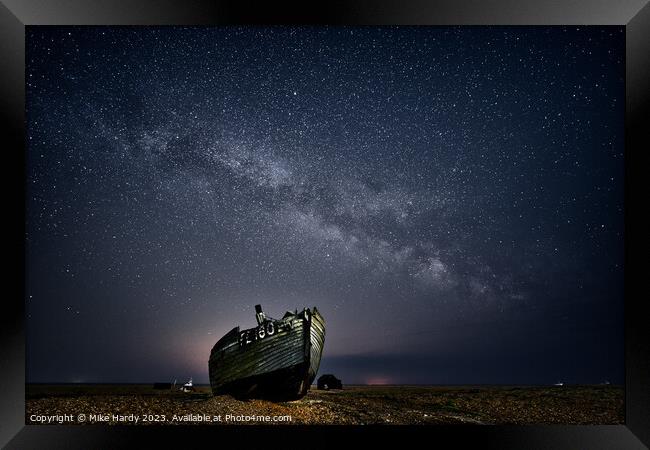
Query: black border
point(16, 14)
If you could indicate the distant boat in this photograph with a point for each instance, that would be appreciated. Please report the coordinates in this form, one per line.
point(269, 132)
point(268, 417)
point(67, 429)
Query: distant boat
point(278, 359)
point(188, 387)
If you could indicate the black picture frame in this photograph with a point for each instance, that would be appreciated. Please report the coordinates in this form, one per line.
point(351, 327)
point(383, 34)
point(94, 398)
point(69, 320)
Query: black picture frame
point(15, 15)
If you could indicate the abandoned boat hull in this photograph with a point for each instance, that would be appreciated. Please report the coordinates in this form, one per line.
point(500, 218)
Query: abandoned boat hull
point(276, 359)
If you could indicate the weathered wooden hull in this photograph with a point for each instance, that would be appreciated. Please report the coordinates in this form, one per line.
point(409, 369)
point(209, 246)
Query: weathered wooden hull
point(277, 359)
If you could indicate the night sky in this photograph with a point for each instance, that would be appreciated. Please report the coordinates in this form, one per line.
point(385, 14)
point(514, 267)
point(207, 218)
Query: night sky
point(451, 199)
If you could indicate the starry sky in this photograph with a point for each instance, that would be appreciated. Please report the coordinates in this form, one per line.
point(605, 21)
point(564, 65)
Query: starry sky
point(450, 198)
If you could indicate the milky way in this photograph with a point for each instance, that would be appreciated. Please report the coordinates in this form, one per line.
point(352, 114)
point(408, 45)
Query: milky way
point(450, 198)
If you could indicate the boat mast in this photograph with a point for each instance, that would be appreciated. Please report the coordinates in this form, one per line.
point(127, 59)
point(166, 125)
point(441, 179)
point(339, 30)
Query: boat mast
point(259, 315)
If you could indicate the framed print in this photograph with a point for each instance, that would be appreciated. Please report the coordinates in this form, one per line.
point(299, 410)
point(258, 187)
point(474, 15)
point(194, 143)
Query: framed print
point(348, 220)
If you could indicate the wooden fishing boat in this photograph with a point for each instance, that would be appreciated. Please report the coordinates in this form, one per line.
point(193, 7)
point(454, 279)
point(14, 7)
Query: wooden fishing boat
point(278, 359)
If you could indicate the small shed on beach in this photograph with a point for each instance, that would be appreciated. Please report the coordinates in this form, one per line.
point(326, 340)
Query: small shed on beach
point(329, 381)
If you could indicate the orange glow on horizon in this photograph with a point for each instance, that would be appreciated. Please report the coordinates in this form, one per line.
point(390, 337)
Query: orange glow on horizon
point(379, 380)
